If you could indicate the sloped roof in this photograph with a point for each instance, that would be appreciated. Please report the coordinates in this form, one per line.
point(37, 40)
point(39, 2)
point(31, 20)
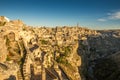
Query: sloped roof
point(4, 67)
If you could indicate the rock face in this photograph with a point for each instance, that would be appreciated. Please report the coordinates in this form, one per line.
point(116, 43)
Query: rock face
point(103, 56)
point(3, 49)
point(3, 20)
point(72, 53)
point(15, 48)
point(109, 68)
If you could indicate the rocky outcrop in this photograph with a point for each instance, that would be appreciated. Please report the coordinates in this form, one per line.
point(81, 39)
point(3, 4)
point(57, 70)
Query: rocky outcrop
point(103, 56)
point(108, 68)
point(13, 47)
point(3, 20)
point(3, 48)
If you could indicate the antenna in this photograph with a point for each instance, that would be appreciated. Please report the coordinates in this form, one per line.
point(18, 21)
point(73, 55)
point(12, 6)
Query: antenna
point(77, 24)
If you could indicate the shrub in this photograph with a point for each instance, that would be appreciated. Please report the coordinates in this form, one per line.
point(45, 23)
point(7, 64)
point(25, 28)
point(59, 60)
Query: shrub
point(2, 23)
point(44, 42)
point(67, 51)
point(7, 59)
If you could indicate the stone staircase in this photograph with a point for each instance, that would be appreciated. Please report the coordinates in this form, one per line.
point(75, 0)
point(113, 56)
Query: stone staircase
point(19, 75)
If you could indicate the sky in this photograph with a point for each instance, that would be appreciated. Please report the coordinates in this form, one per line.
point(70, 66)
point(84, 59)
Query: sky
point(95, 14)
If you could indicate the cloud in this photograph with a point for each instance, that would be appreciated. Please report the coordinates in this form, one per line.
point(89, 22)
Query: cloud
point(102, 20)
point(114, 16)
point(110, 16)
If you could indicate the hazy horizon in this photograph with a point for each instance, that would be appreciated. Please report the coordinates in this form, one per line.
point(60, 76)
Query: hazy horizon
point(94, 14)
